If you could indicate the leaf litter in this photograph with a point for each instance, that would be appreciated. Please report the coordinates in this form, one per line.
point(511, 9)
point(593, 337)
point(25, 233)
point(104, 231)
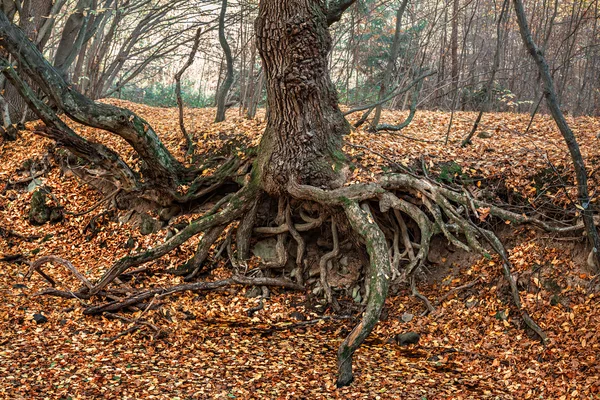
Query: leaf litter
point(472, 347)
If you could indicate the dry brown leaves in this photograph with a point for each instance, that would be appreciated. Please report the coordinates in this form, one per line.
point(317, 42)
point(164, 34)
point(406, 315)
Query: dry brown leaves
point(473, 347)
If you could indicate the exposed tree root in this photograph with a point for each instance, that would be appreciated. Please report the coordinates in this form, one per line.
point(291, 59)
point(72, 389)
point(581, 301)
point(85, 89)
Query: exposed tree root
point(325, 262)
point(363, 223)
point(233, 210)
point(395, 220)
point(37, 265)
point(418, 295)
point(138, 298)
point(193, 267)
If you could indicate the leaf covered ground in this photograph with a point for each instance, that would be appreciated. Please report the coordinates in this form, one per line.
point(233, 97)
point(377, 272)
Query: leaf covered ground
point(474, 345)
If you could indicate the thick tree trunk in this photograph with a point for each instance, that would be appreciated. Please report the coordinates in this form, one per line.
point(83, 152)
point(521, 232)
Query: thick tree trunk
point(303, 137)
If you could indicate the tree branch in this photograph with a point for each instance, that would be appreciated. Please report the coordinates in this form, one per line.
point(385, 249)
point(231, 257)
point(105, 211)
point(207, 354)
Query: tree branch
point(336, 9)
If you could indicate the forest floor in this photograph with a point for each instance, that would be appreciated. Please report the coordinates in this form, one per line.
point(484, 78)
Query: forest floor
point(472, 347)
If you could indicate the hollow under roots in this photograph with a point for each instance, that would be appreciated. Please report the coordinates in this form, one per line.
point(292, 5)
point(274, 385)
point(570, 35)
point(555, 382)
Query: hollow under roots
point(394, 220)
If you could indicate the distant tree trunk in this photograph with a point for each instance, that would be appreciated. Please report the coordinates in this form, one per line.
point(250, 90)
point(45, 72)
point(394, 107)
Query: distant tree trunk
point(250, 84)
point(553, 104)
point(257, 91)
point(455, 71)
point(178, 75)
point(387, 75)
point(32, 16)
point(73, 36)
point(490, 83)
point(226, 85)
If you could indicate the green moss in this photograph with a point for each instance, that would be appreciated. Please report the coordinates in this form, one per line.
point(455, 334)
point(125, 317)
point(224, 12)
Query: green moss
point(339, 160)
point(39, 212)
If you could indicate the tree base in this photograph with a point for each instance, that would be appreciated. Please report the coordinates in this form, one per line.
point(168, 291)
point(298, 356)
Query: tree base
point(393, 221)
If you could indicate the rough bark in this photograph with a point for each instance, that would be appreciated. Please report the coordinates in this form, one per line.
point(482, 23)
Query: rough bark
point(336, 9)
point(302, 140)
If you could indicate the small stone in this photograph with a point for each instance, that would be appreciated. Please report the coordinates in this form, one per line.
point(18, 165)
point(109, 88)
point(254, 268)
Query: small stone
point(404, 339)
point(471, 304)
point(254, 291)
point(39, 213)
point(484, 134)
point(356, 294)
point(407, 317)
point(167, 213)
point(56, 214)
point(130, 244)
point(266, 250)
point(298, 316)
point(19, 286)
point(148, 225)
point(40, 319)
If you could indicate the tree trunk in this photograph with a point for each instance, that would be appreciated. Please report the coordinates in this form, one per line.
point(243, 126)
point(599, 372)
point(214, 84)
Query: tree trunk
point(454, 46)
point(303, 137)
point(222, 92)
point(73, 35)
point(387, 75)
point(552, 102)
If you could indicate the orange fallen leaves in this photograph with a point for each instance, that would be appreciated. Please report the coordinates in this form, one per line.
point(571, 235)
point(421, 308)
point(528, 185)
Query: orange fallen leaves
point(473, 347)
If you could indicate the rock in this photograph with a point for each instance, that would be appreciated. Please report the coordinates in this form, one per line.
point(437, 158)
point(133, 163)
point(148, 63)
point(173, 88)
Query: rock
point(404, 339)
point(254, 291)
point(40, 319)
point(39, 212)
point(167, 213)
point(148, 225)
point(407, 317)
point(356, 294)
point(266, 250)
point(485, 134)
point(298, 316)
point(471, 304)
point(56, 214)
point(130, 243)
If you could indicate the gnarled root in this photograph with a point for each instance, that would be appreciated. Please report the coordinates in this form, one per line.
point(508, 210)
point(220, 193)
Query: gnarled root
point(363, 223)
point(397, 235)
point(234, 209)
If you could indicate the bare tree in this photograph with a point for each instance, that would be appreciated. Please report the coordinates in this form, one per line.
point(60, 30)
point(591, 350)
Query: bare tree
point(568, 135)
point(226, 85)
